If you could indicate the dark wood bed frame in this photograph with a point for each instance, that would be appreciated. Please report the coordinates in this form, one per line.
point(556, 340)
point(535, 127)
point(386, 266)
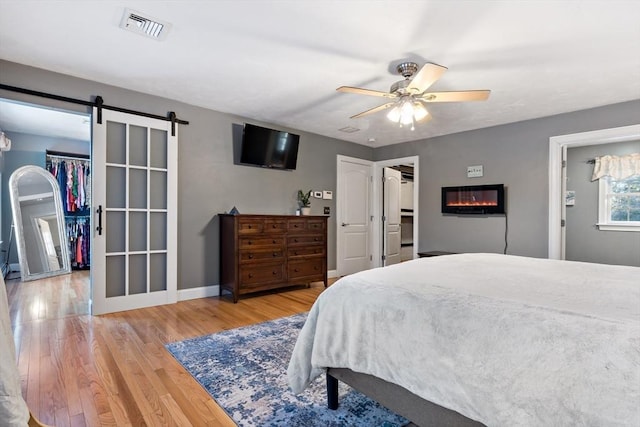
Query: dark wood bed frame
point(398, 399)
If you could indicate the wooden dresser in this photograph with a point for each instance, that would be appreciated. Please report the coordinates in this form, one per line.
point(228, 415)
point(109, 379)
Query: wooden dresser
point(260, 252)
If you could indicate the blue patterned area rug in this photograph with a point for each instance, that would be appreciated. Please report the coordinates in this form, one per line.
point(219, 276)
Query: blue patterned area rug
point(245, 371)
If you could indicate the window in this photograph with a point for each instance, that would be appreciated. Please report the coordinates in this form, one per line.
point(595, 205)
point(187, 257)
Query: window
point(619, 200)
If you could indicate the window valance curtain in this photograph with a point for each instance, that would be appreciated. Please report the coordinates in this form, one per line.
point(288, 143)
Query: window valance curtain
point(617, 167)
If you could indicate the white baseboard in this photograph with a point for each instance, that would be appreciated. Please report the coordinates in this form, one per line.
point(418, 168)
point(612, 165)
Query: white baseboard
point(214, 291)
point(201, 292)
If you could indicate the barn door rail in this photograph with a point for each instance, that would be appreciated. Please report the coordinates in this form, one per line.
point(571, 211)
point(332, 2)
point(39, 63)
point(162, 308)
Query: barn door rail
point(99, 104)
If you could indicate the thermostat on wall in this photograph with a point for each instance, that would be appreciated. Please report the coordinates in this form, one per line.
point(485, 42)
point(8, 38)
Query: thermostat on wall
point(327, 194)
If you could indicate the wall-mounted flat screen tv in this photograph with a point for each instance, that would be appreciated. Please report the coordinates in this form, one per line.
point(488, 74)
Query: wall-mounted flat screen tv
point(269, 148)
point(473, 199)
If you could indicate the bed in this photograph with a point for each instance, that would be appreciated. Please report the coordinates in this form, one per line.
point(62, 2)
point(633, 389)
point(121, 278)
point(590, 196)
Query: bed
point(482, 339)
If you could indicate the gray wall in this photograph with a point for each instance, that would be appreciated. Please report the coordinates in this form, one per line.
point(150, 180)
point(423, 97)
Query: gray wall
point(584, 242)
point(208, 180)
point(12, 161)
point(516, 155)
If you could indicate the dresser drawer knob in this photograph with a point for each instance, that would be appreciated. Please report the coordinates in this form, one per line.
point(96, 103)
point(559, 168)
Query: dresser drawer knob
point(250, 276)
point(274, 272)
point(274, 226)
point(249, 226)
point(250, 256)
point(249, 242)
point(315, 239)
point(295, 270)
point(273, 241)
point(275, 254)
point(295, 252)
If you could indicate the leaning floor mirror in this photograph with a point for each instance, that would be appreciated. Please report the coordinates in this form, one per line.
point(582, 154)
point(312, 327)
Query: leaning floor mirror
point(39, 225)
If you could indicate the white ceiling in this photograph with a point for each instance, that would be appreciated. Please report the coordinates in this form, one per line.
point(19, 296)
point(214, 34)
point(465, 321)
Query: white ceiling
point(25, 118)
point(279, 62)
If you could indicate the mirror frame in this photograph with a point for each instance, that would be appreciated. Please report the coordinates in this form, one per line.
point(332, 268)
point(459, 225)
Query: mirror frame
point(19, 227)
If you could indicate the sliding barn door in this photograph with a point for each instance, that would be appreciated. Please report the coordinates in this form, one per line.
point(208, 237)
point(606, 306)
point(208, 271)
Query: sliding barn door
point(134, 200)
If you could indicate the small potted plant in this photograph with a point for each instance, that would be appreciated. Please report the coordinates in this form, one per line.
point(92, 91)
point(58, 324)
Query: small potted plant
point(304, 199)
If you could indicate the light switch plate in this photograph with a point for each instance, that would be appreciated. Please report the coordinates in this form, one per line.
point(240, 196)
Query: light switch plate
point(475, 171)
point(317, 194)
point(327, 194)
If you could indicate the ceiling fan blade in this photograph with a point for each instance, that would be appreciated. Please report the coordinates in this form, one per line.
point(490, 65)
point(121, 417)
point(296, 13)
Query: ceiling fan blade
point(425, 77)
point(455, 96)
point(374, 110)
point(361, 91)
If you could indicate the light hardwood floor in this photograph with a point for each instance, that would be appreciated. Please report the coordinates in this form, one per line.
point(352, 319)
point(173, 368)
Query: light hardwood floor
point(113, 370)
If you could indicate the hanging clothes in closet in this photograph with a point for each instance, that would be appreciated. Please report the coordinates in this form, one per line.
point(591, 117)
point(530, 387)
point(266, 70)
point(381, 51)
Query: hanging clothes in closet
point(74, 179)
point(78, 234)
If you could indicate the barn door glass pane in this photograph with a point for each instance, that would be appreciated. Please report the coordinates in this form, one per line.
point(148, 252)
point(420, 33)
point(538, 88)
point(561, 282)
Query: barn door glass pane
point(136, 210)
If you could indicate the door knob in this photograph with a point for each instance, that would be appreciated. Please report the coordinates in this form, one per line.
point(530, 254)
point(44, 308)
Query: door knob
point(344, 224)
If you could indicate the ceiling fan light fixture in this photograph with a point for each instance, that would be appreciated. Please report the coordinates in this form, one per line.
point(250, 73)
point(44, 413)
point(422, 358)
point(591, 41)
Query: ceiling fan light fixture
point(394, 114)
point(407, 111)
point(419, 112)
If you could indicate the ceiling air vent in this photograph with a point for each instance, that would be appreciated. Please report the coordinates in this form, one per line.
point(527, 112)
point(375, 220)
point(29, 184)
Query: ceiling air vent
point(348, 129)
point(144, 25)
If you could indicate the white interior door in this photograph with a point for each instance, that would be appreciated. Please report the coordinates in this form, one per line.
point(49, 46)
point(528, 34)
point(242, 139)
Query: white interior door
point(391, 219)
point(353, 206)
point(134, 197)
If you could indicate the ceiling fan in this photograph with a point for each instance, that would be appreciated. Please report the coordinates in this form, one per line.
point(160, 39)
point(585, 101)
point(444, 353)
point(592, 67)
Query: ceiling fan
point(411, 93)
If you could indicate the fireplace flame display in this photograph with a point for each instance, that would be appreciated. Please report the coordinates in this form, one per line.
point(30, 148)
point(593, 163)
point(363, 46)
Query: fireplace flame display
point(473, 203)
point(477, 199)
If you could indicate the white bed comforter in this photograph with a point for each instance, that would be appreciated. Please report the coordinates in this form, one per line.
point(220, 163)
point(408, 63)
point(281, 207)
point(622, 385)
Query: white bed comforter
point(504, 340)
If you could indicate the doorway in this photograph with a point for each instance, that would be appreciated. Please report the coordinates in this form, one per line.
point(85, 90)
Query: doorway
point(360, 201)
point(48, 138)
point(558, 146)
point(409, 210)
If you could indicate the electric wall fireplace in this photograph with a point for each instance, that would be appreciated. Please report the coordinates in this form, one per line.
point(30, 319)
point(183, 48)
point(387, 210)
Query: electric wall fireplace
point(473, 199)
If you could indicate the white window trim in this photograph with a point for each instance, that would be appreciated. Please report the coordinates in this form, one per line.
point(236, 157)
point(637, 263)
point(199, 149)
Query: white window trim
point(604, 223)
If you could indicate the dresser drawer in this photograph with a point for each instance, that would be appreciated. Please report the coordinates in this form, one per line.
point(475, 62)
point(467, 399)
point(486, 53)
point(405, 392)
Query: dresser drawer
point(261, 242)
point(316, 225)
point(304, 251)
point(250, 226)
point(306, 224)
point(247, 256)
point(257, 275)
point(310, 268)
point(275, 226)
point(298, 224)
point(306, 239)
